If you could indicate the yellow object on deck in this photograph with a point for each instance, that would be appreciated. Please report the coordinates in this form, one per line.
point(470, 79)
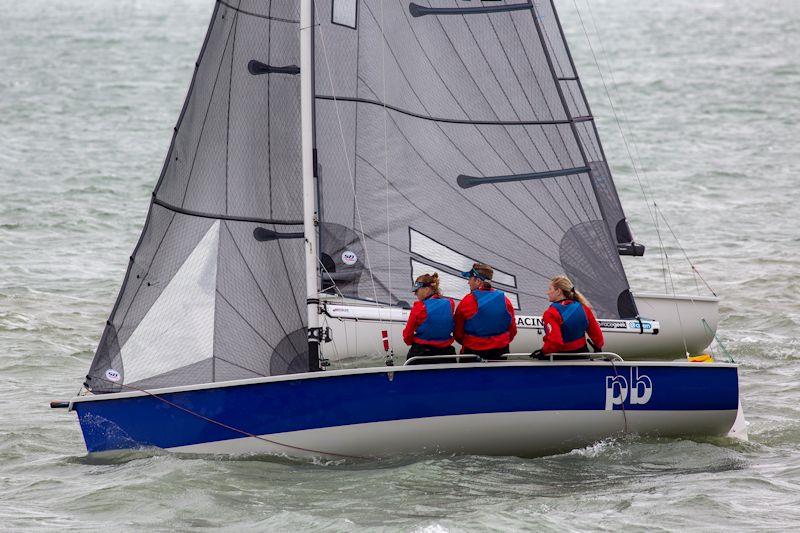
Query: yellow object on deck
point(702, 358)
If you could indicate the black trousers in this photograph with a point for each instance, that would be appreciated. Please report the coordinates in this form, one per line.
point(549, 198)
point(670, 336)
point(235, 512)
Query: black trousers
point(579, 354)
point(425, 350)
point(496, 354)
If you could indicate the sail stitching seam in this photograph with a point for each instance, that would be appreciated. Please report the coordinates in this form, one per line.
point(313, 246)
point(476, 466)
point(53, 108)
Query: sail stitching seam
point(494, 29)
point(442, 119)
point(549, 142)
point(205, 116)
point(425, 213)
point(219, 216)
point(455, 145)
point(260, 290)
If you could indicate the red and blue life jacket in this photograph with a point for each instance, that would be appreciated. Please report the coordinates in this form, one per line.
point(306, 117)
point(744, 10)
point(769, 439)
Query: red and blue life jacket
point(438, 324)
point(574, 322)
point(492, 317)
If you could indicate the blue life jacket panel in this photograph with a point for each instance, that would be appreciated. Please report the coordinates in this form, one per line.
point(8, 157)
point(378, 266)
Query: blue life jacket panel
point(574, 322)
point(438, 325)
point(492, 317)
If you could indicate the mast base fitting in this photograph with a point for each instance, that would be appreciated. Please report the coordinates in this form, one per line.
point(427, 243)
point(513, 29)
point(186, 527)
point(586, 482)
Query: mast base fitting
point(319, 335)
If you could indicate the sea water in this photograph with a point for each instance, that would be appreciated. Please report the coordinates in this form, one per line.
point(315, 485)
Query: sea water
point(708, 96)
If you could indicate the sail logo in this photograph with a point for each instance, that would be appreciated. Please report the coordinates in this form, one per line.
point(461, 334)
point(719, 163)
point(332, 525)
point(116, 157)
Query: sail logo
point(349, 258)
point(637, 390)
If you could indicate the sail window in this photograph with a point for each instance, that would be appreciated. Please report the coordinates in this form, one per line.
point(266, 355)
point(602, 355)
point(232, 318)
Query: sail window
point(345, 13)
point(427, 248)
point(178, 330)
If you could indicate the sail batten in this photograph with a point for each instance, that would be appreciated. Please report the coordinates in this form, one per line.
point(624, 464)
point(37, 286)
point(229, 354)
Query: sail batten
point(417, 10)
point(465, 182)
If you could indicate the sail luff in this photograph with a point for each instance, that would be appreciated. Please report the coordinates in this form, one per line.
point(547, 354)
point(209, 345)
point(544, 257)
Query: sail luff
point(153, 198)
point(620, 230)
point(560, 92)
point(107, 331)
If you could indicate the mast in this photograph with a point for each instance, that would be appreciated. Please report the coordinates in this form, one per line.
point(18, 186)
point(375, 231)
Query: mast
point(309, 193)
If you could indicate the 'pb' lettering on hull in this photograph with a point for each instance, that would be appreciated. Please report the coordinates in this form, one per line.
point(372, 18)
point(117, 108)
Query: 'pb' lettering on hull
point(618, 389)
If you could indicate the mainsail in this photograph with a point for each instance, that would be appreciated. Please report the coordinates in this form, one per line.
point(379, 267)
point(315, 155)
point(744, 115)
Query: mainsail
point(446, 132)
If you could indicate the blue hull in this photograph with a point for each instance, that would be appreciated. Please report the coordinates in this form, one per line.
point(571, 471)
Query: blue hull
point(172, 418)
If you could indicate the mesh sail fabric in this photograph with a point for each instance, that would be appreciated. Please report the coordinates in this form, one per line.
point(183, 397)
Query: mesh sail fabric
point(445, 137)
point(584, 121)
point(203, 300)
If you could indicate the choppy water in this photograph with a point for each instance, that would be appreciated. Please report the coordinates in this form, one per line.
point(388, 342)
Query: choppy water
point(89, 92)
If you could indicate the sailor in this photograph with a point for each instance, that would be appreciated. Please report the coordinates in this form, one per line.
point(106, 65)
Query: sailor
point(568, 321)
point(484, 320)
point(429, 330)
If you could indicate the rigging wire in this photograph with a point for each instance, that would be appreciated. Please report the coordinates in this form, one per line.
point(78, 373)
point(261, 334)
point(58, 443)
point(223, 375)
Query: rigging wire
point(611, 103)
point(349, 169)
point(686, 256)
point(634, 166)
point(656, 211)
point(392, 325)
point(325, 315)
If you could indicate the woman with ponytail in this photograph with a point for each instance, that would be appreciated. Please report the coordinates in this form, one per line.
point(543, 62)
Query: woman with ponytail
point(568, 320)
point(429, 330)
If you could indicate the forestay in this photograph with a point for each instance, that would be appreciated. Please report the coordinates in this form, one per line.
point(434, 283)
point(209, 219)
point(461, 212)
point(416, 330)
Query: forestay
point(203, 300)
point(444, 136)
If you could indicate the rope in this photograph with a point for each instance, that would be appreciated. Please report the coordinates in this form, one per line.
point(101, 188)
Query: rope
point(728, 356)
point(624, 414)
point(229, 427)
point(619, 127)
point(683, 250)
point(610, 100)
point(656, 210)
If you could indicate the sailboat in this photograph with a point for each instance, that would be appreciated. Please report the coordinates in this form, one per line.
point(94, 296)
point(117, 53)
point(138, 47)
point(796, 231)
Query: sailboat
point(327, 153)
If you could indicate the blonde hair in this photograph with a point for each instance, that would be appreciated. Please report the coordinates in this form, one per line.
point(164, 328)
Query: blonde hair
point(568, 288)
point(432, 281)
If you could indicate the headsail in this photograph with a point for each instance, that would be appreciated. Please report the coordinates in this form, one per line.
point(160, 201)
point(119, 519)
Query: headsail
point(203, 300)
point(444, 136)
